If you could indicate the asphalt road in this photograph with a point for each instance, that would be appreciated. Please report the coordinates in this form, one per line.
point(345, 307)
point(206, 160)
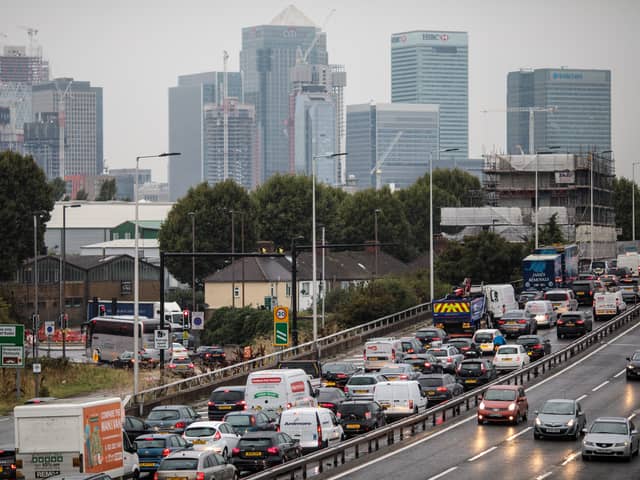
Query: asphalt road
point(465, 450)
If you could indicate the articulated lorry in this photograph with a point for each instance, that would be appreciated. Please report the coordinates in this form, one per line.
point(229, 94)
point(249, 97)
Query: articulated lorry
point(568, 261)
point(542, 271)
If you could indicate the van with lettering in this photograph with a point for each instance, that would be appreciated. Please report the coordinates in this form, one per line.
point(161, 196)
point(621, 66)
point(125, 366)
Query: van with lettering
point(314, 428)
point(279, 390)
point(68, 438)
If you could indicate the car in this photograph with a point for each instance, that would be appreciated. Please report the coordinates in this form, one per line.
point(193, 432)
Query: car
point(610, 437)
point(408, 346)
point(171, 418)
point(562, 299)
point(153, 448)
point(134, 427)
point(39, 400)
point(249, 421)
point(124, 360)
point(586, 289)
point(363, 384)
point(360, 416)
point(149, 357)
point(559, 418)
point(534, 345)
point(337, 374)
point(439, 387)
point(629, 289)
point(574, 324)
point(226, 399)
point(217, 436)
point(427, 336)
point(401, 398)
point(399, 371)
point(599, 267)
point(510, 357)
point(517, 322)
point(423, 362)
point(178, 351)
point(8, 468)
point(543, 312)
point(529, 295)
point(205, 465)
point(259, 450)
point(212, 355)
point(448, 356)
point(622, 272)
point(484, 339)
point(633, 365)
point(610, 280)
point(181, 366)
point(330, 397)
point(467, 347)
point(81, 476)
point(314, 427)
point(312, 368)
point(473, 372)
point(503, 404)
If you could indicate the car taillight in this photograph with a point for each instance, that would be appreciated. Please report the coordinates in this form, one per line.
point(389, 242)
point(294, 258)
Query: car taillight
point(483, 369)
point(289, 405)
point(191, 365)
point(341, 375)
point(449, 359)
point(242, 404)
point(180, 425)
point(410, 403)
point(338, 415)
point(273, 451)
point(166, 452)
point(500, 322)
point(223, 355)
point(367, 415)
point(580, 322)
point(464, 349)
point(404, 377)
point(517, 358)
point(522, 321)
point(590, 292)
point(211, 404)
point(171, 365)
point(537, 346)
point(441, 389)
point(346, 389)
point(199, 475)
point(319, 430)
point(427, 364)
point(217, 436)
point(235, 451)
point(155, 476)
point(560, 322)
point(327, 405)
point(393, 355)
point(364, 353)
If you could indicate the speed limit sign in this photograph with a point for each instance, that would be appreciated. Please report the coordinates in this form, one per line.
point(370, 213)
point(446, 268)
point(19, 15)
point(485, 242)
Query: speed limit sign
point(281, 314)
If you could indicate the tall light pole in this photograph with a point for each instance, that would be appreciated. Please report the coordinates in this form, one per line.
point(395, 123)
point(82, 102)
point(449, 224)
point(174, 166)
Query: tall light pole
point(136, 282)
point(324, 285)
point(193, 262)
point(633, 201)
point(375, 235)
point(594, 155)
point(233, 250)
point(431, 265)
point(36, 312)
point(313, 239)
point(63, 242)
point(547, 150)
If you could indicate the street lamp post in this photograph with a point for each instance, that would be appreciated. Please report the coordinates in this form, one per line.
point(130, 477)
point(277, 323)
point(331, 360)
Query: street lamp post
point(324, 285)
point(633, 201)
point(431, 266)
point(594, 155)
point(233, 250)
point(136, 282)
point(193, 262)
point(63, 242)
point(538, 153)
point(36, 312)
point(375, 235)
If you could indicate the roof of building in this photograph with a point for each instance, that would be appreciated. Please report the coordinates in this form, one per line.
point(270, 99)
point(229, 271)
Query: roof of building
point(106, 214)
point(291, 16)
point(149, 224)
point(85, 262)
point(126, 243)
point(256, 269)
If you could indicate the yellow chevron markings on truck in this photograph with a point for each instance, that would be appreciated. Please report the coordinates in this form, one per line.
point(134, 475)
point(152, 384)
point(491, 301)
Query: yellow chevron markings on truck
point(451, 307)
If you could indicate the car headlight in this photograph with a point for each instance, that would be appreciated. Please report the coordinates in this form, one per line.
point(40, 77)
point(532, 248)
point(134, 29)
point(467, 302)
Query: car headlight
point(538, 422)
point(588, 444)
point(621, 444)
point(630, 367)
point(570, 423)
point(512, 407)
point(481, 406)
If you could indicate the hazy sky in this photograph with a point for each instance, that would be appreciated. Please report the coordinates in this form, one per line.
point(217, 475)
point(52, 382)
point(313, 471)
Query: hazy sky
point(135, 49)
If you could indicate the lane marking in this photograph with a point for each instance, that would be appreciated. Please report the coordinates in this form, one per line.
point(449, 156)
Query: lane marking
point(543, 476)
point(619, 373)
point(442, 474)
point(570, 458)
point(516, 435)
point(482, 454)
point(631, 416)
point(6, 419)
point(595, 389)
point(581, 397)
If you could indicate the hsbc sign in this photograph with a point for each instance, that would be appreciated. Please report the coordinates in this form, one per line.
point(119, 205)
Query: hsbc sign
point(435, 36)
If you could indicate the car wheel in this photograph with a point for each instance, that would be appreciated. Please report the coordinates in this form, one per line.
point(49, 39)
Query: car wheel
point(586, 458)
point(536, 436)
point(236, 475)
point(525, 417)
point(628, 457)
point(518, 419)
point(560, 336)
point(225, 455)
point(576, 435)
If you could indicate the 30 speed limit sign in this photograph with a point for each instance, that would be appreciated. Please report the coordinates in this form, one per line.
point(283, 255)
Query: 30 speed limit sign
point(281, 314)
point(281, 327)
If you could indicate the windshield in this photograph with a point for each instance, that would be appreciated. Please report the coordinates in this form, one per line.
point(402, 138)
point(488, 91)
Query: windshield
point(558, 408)
point(352, 409)
point(471, 365)
point(460, 343)
point(571, 318)
point(200, 432)
point(597, 265)
point(149, 443)
point(336, 367)
point(438, 353)
point(500, 395)
point(254, 443)
point(525, 295)
point(484, 338)
point(527, 341)
point(392, 370)
point(516, 315)
point(328, 395)
point(430, 382)
point(428, 334)
point(556, 297)
point(179, 464)
point(223, 396)
point(362, 381)
point(535, 307)
point(617, 428)
point(239, 420)
point(164, 415)
point(636, 356)
point(507, 351)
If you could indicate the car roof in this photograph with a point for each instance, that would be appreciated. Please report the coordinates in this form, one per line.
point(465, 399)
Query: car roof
point(206, 423)
point(168, 407)
point(611, 419)
point(234, 388)
point(144, 436)
point(558, 290)
point(188, 453)
point(561, 400)
point(504, 387)
point(486, 330)
point(357, 400)
point(243, 412)
point(431, 375)
point(259, 434)
point(529, 337)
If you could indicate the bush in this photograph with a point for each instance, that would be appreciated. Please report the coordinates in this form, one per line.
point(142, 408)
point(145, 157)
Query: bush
point(240, 326)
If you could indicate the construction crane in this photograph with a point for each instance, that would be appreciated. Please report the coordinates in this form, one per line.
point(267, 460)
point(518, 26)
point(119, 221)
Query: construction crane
point(61, 123)
point(33, 33)
point(378, 168)
point(303, 59)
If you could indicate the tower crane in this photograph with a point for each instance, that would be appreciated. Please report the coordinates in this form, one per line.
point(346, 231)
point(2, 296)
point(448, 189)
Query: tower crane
point(33, 33)
point(378, 168)
point(302, 59)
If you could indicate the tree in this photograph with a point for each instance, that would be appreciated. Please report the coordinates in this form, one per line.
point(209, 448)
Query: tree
point(551, 232)
point(212, 207)
point(82, 195)
point(463, 186)
point(58, 189)
point(622, 196)
point(107, 190)
point(240, 326)
point(23, 192)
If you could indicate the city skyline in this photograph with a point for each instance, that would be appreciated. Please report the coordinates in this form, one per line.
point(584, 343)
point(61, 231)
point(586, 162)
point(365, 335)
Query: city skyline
point(136, 63)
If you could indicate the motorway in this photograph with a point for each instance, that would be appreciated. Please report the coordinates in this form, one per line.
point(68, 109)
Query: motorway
point(465, 450)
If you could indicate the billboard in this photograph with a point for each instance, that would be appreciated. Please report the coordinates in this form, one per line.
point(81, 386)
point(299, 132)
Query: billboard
point(102, 426)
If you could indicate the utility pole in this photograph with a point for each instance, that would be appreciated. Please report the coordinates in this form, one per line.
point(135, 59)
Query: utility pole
point(62, 109)
point(225, 119)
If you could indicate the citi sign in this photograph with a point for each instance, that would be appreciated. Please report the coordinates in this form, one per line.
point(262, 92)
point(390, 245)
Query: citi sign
point(435, 36)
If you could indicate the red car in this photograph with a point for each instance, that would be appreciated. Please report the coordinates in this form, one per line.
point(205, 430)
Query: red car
point(504, 404)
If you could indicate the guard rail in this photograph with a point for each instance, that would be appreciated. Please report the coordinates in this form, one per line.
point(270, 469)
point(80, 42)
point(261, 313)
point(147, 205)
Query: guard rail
point(372, 442)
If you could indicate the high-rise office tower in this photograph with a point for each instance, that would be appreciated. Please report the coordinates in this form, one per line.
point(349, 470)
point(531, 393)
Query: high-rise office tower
point(186, 125)
point(268, 53)
point(433, 67)
point(78, 107)
point(582, 120)
point(241, 143)
point(390, 142)
point(22, 66)
point(42, 142)
point(126, 181)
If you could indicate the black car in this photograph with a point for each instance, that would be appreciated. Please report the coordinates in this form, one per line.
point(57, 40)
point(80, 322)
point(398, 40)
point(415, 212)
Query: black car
point(528, 295)
point(467, 346)
point(517, 322)
point(330, 397)
point(574, 324)
point(429, 335)
point(337, 374)
point(559, 418)
point(7, 462)
point(212, 355)
point(585, 289)
point(313, 368)
point(633, 365)
point(124, 360)
point(534, 345)
point(134, 427)
point(259, 450)
point(439, 387)
point(360, 416)
point(622, 272)
point(423, 362)
point(474, 372)
point(249, 421)
point(171, 418)
point(224, 400)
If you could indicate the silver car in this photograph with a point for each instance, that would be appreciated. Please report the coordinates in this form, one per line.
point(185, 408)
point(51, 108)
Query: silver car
point(399, 371)
point(363, 384)
point(448, 356)
point(611, 437)
point(192, 464)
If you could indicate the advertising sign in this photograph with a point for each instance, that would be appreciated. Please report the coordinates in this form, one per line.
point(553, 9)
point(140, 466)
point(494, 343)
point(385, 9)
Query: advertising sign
point(102, 437)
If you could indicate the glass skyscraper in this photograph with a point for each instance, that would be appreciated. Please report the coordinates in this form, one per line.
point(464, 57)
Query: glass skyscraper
point(395, 137)
point(582, 120)
point(432, 67)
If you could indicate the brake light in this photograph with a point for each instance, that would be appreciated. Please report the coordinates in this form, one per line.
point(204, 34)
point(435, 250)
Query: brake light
point(500, 322)
point(517, 358)
point(155, 476)
point(538, 346)
point(482, 368)
point(346, 389)
point(200, 476)
point(522, 321)
point(338, 415)
point(367, 415)
point(404, 377)
point(235, 451)
point(172, 365)
point(211, 404)
point(560, 322)
point(364, 353)
point(327, 405)
point(273, 451)
point(464, 349)
point(289, 405)
point(449, 359)
point(180, 425)
point(217, 436)
point(580, 322)
point(166, 452)
point(590, 292)
point(319, 430)
point(241, 402)
point(341, 375)
point(410, 403)
point(427, 364)
point(393, 355)
point(191, 365)
point(441, 389)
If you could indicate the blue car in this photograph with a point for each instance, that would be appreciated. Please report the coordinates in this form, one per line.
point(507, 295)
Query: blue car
point(153, 448)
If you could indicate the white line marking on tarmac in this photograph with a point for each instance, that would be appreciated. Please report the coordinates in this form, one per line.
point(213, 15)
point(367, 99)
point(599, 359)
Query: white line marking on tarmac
point(543, 476)
point(521, 432)
point(581, 397)
point(442, 474)
point(482, 454)
point(595, 389)
point(570, 458)
point(619, 373)
point(4, 419)
point(631, 416)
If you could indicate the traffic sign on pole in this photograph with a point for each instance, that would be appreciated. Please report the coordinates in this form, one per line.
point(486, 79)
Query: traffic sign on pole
point(281, 327)
point(12, 346)
point(161, 339)
point(49, 328)
point(197, 320)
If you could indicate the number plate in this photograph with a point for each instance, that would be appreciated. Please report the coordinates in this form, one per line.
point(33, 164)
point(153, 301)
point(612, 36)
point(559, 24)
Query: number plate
point(529, 353)
point(147, 464)
point(511, 323)
point(361, 391)
point(372, 358)
point(252, 454)
point(353, 425)
point(471, 380)
point(508, 359)
point(553, 430)
point(385, 406)
point(224, 407)
point(431, 392)
point(570, 324)
point(178, 478)
point(330, 384)
point(199, 442)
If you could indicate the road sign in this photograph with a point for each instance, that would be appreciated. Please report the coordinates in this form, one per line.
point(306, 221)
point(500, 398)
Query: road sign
point(49, 328)
point(12, 346)
point(185, 335)
point(161, 339)
point(280, 326)
point(197, 320)
point(281, 314)
point(37, 368)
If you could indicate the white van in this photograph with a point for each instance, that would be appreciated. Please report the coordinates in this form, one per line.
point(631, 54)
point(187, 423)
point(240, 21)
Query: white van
point(279, 390)
point(500, 299)
point(483, 338)
point(543, 312)
point(400, 398)
point(630, 260)
point(378, 352)
point(314, 428)
point(608, 304)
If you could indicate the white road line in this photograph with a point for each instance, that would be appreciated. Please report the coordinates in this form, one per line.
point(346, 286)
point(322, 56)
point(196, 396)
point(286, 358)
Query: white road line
point(482, 454)
point(619, 373)
point(570, 458)
point(581, 397)
point(4, 419)
point(543, 476)
point(631, 416)
point(521, 432)
point(595, 389)
point(442, 474)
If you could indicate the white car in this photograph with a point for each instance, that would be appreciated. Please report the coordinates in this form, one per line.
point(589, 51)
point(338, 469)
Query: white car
point(178, 351)
point(217, 436)
point(510, 357)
